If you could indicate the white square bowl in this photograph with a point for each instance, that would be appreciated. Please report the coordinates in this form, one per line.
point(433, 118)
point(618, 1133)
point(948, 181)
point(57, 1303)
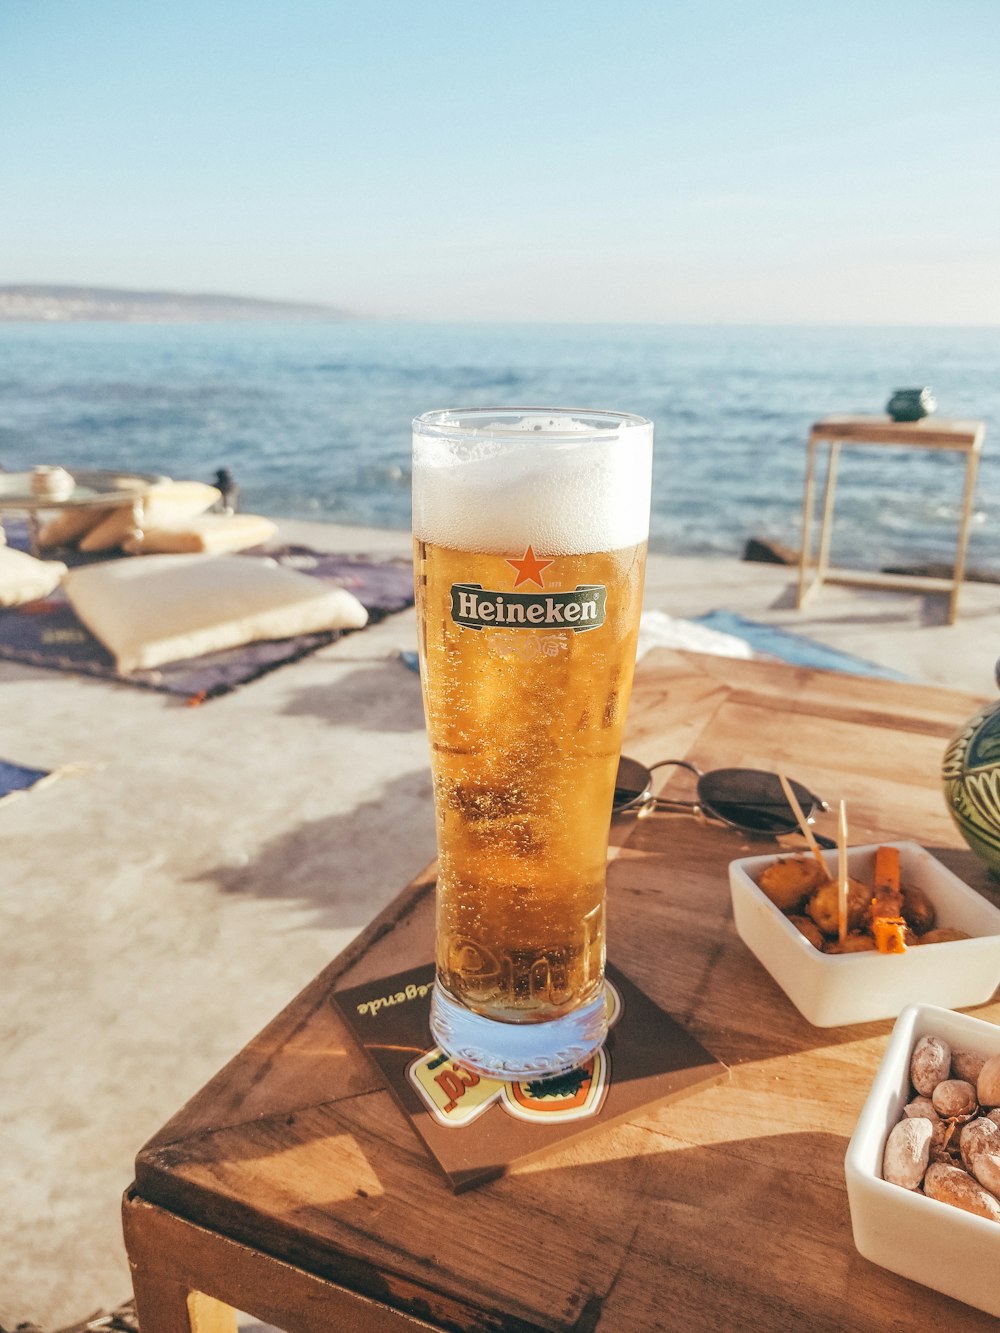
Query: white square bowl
point(933, 1243)
point(830, 990)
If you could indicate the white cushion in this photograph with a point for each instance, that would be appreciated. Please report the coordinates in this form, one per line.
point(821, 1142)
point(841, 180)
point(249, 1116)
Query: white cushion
point(25, 579)
point(212, 533)
point(166, 607)
point(169, 500)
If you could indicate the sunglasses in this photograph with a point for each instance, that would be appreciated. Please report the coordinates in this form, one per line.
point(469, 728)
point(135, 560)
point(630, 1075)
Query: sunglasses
point(748, 799)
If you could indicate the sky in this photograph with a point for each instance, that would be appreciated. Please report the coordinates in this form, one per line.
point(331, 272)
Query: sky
point(782, 161)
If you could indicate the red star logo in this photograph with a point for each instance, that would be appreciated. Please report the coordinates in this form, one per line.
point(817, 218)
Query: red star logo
point(529, 568)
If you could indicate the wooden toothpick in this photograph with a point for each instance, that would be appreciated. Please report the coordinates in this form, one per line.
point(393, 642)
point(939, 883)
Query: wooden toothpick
point(803, 823)
point(842, 872)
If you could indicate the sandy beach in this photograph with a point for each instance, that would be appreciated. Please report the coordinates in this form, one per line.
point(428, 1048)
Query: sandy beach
point(165, 898)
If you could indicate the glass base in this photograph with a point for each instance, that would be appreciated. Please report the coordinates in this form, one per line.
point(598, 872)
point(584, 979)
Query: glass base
point(516, 1052)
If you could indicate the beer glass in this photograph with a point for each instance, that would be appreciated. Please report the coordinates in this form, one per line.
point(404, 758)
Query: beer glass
point(530, 529)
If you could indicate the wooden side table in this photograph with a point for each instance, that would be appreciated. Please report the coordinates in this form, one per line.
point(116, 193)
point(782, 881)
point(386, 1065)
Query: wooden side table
point(961, 437)
point(292, 1186)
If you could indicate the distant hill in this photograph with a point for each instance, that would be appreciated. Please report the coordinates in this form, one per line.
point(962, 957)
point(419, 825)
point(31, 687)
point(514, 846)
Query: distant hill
point(60, 304)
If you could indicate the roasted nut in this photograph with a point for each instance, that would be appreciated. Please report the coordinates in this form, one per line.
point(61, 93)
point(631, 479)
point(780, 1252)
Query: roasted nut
point(944, 935)
point(930, 1064)
point(907, 1152)
point(988, 1083)
point(921, 1106)
point(953, 1097)
point(986, 1169)
point(966, 1064)
point(918, 910)
point(855, 943)
point(787, 880)
point(978, 1136)
point(809, 929)
point(823, 906)
point(994, 1115)
point(950, 1184)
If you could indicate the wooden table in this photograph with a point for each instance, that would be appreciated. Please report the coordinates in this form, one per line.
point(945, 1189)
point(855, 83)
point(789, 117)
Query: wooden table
point(961, 437)
point(293, 1188)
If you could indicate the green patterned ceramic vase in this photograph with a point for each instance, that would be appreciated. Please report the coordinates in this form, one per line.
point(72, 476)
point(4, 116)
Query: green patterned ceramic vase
point(911, 404)
point(971, 773)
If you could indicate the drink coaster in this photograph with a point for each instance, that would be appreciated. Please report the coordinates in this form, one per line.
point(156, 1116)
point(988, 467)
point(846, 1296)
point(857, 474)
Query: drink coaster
point(474, 1127)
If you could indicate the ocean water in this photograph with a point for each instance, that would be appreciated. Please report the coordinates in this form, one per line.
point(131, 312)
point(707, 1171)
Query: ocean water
point(314, 419)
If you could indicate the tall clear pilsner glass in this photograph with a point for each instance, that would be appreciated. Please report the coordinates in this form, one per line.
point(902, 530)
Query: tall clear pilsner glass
point(530, 529)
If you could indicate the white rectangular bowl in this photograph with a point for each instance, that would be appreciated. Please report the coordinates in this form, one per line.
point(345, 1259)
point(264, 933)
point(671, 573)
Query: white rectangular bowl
point(831, 990)
point(933, 1243)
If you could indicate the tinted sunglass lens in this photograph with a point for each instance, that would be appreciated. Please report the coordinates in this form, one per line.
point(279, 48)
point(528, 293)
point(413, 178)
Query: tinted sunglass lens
point(631, 783)
point(752, 800)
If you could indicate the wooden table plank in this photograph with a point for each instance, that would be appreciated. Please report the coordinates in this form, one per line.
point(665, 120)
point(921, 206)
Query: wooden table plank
point(927, 433)
point(725, 1209)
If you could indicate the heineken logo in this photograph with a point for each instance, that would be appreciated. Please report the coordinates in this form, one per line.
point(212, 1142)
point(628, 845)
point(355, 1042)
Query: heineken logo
point(477, 607)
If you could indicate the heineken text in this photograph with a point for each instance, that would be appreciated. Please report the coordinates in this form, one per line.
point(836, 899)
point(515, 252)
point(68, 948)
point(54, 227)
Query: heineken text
point(580, 609)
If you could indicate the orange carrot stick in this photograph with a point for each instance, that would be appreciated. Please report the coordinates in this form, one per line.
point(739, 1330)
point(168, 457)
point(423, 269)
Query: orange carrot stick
point(888, 900)
point(888, 925)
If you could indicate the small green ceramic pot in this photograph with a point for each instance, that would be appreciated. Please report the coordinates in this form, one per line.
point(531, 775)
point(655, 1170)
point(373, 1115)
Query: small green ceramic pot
point(971, 774)
point(911, 404)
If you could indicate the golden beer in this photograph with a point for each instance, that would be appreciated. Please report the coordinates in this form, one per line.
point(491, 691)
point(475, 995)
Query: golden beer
point(527, 648)
point(525, 732)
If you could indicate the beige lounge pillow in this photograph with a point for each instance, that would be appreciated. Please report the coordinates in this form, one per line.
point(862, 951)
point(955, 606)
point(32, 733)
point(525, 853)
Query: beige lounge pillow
point(165, 503)
point(25, 579)
point(211, 533)
point(168, 607)
point(112, 529)
point(71, 524)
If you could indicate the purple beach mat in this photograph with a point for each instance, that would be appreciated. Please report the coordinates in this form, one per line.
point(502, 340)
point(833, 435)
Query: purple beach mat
point(48, 634)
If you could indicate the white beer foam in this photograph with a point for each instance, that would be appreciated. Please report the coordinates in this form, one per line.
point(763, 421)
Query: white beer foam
point(563, 498)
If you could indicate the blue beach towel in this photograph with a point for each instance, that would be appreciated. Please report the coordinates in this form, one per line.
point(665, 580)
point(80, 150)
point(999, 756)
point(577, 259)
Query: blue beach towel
point(795, 648)
point(18, 778)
